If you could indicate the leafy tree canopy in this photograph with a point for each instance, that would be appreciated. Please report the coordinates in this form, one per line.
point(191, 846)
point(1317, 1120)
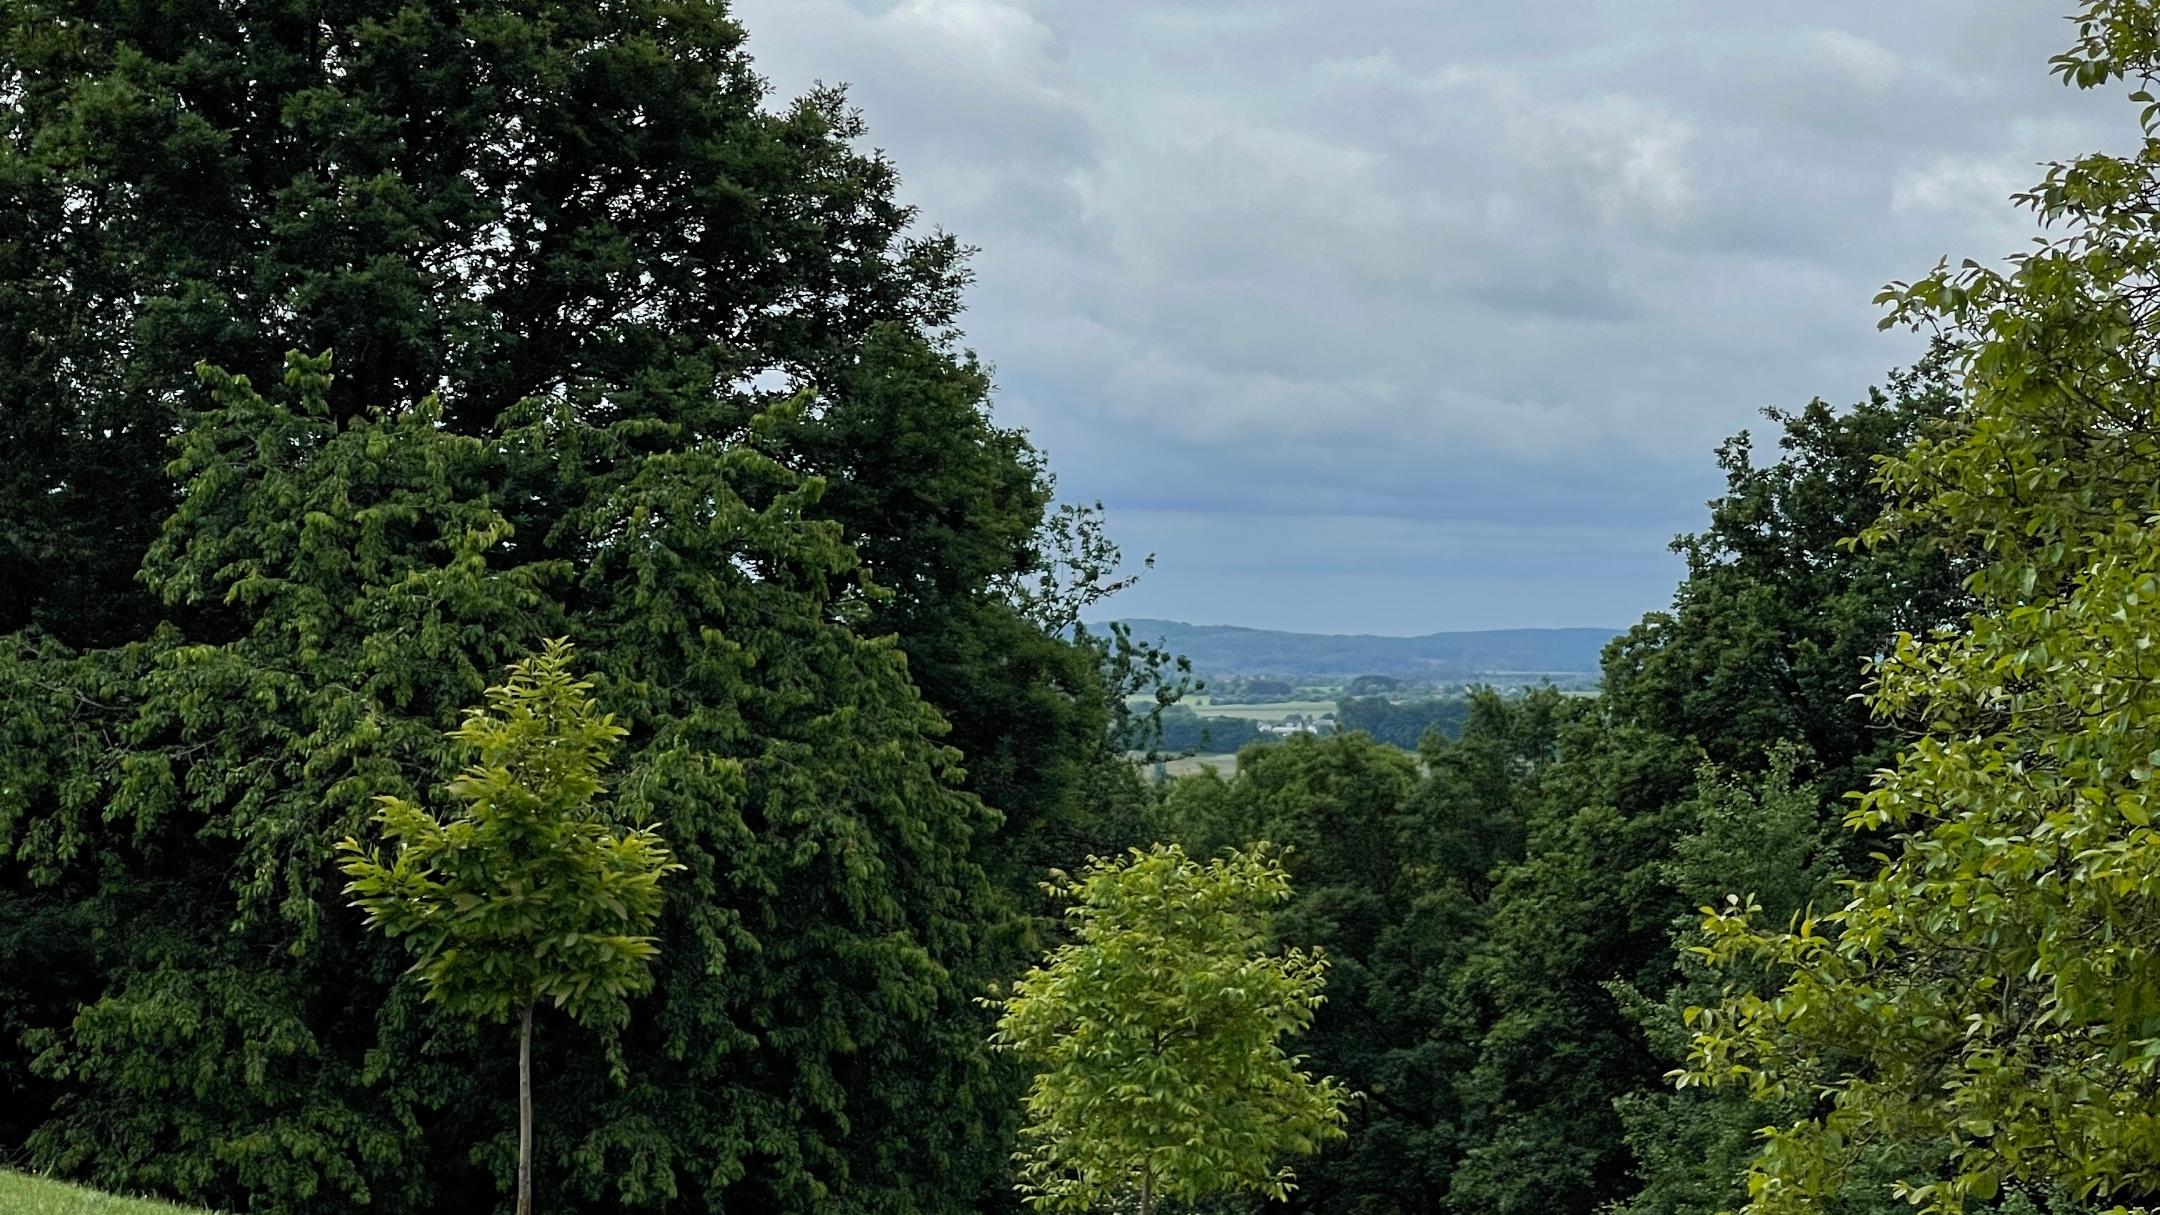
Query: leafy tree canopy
point(528, 894)
point(1990, 988)
point(627, 355)
point(1157, 1032)
point(246, 1044)
point(1770, 629)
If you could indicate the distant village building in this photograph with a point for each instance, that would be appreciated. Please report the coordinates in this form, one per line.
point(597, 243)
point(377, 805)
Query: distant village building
point(1298, 723)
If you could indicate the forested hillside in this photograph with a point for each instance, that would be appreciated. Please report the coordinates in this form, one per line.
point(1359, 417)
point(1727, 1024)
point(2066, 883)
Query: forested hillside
point(533, 678)
point(1501, 656)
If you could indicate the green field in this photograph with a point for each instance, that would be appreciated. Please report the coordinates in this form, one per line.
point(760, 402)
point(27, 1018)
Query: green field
point(1223, 762)
point(1270, 712)
point(22, 1195)
point(1224, 765)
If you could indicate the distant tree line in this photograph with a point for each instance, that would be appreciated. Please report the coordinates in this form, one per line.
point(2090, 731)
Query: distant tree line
point(1252, 689)
point(1404, 723)
point(1181, 729)
point(1373, 685)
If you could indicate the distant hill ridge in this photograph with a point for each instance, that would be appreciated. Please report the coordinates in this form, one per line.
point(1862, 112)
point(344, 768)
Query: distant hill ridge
point(1503, 655)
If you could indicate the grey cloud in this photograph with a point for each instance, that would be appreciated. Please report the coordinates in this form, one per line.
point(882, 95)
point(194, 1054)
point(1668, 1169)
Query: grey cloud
point(1434, 264)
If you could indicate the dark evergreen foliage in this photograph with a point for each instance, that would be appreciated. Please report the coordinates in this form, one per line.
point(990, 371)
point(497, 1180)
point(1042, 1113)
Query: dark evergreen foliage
point(624, 353)
point(246, 1044)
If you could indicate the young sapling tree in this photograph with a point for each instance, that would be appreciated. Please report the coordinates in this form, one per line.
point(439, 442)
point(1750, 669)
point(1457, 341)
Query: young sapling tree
point(1157, 1034)
point(527, 892)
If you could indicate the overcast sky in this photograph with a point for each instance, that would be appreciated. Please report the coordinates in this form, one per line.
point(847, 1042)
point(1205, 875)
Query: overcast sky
point(1396, 316)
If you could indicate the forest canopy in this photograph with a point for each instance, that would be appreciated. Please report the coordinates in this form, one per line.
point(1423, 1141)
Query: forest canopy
point(352, 359)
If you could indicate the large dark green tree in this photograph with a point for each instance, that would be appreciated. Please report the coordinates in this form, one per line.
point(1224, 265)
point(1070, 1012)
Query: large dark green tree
point(492, 201)
point(809, 1039)
point(1586, 906)
point(586, 241)
point(1771, 627)
point(1759, 663)
point(495, 202)
point(1757, 660)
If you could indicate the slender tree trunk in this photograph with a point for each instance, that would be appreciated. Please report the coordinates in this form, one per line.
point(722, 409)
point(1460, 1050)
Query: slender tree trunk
point(524, 1195)
point(1147, 1188)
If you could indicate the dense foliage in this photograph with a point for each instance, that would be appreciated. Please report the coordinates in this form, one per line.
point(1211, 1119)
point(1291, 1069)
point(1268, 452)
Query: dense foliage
point(1758, 664)
point(1501, 910)
point(1992, 988)
point(528, 893)
point(1392, 872)
point(248, 1039)
point(1157, 1034)
point(629, 356)
point(626, 355)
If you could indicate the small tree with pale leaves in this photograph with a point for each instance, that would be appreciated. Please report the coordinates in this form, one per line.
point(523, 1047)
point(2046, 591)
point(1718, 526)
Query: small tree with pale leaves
point(1158, 1031)
point(526, 894)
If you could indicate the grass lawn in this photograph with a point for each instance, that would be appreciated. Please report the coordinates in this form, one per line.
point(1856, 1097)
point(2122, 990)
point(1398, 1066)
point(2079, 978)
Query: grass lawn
point(21, 1195)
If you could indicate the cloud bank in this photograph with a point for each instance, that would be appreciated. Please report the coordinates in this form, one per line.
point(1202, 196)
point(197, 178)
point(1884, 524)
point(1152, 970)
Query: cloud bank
point(1382, 316)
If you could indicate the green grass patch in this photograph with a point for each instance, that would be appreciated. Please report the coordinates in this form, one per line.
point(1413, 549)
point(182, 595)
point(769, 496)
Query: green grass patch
point(24, 1195)
point(1270, 712)
point(1189, 765)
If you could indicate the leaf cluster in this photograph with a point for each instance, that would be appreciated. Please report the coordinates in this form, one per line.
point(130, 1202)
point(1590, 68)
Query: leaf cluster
point(527, 893)
point(1157, 1034)
point(1991, 987)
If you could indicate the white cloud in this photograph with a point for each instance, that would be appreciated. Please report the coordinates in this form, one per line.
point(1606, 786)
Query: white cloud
point(988, 33)
point(1859, 61)
point(1959, 185)
point(1623, 157)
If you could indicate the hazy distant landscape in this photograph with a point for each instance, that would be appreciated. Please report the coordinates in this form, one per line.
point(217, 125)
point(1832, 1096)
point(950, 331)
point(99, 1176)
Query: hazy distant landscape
point(1267, 685)
point(1500, 657)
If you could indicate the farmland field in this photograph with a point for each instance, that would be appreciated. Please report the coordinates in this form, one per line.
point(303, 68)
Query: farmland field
point(1206, 707)
point(1269, 712)
point(1190, 765)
